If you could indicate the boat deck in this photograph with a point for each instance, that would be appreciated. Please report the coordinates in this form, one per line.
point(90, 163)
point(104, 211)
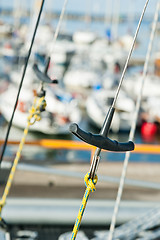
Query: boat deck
point(48, 198)
point(66, 181)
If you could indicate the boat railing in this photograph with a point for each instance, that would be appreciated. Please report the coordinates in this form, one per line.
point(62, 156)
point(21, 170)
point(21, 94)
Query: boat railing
point(78, 145)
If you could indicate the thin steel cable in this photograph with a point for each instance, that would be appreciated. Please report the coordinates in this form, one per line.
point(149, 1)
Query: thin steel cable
point(21, 82)
point(133, 127)
point(59, 25)
point(98, 150)
point(129, 55)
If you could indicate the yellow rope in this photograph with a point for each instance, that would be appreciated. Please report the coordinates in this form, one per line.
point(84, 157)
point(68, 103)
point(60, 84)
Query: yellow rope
point(36, 110)
point(90, 187)
point(33, 117)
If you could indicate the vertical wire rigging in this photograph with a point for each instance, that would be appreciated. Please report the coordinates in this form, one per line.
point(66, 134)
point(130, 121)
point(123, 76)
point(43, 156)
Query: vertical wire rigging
point(21, 82)
point(133, 127)
point(93, 169)
point(26, 64)
point(129, 55)
point(34, 112)
point(59, 25)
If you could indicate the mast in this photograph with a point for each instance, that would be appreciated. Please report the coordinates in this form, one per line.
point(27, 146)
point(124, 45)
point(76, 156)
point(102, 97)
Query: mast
point(115, 19)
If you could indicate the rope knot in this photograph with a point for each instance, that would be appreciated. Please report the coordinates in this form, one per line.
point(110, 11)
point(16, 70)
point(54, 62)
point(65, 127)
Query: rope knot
point(36, 109)
point(91, 183)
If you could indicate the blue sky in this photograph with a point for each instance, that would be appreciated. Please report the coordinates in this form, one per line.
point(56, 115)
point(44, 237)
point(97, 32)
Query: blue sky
point(93, 6)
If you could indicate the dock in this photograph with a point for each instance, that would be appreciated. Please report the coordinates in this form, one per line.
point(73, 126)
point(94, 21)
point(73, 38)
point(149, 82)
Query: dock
point(53, 198)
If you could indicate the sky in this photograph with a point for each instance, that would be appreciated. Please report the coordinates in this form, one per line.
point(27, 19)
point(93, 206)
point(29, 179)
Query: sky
point(90, 6)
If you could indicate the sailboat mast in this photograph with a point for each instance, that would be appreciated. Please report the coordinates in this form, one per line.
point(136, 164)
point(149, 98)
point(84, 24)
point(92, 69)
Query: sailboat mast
point(115, 19)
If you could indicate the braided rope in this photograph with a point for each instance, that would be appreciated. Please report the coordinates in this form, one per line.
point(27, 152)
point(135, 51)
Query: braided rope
point(34, 112)
point(34, 115)
point(21, 82)
point(90, 187)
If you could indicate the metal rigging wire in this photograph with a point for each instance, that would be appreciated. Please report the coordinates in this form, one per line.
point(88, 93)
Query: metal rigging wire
point(133, 127)
point(21, 82)
point(59, 25)
point(129, 55)
point(26, 64)
point(95, 162)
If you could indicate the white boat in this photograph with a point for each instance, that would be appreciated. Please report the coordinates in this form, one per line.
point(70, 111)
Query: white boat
point(87, 67)
point(55, 120)
point(84, 37)
point(114, 55)
point(150, 112)
point(6, 29)
point(82, 73)
point(80, 78)
point(99, 102)
point(62, 103)
point(150, 89)
point(13, 52)
point(62, 52)
point(125, 41)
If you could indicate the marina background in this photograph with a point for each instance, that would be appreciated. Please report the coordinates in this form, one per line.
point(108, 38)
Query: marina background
point(103, 8)
point(43, 195)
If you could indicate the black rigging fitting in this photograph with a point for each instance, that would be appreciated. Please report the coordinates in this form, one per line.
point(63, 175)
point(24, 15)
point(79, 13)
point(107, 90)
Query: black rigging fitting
point(101, 141)
point(43, 75)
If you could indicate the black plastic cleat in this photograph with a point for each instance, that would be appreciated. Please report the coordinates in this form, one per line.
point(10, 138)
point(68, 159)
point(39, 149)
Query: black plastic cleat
point(101, 141)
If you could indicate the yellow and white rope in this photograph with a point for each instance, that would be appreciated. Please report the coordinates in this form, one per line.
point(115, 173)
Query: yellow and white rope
point(33, 117)
point(13, 169)
point(90, 187)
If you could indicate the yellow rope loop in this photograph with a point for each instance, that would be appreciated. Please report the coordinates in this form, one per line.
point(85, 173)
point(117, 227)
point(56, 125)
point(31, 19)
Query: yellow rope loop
point(91, 183)
point(35, 111)
point(43, 104)
point(32, 111)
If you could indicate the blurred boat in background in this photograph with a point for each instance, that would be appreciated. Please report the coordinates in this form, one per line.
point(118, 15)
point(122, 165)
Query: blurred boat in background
point(88, 64)
point(100, 100)
point(61, 109)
